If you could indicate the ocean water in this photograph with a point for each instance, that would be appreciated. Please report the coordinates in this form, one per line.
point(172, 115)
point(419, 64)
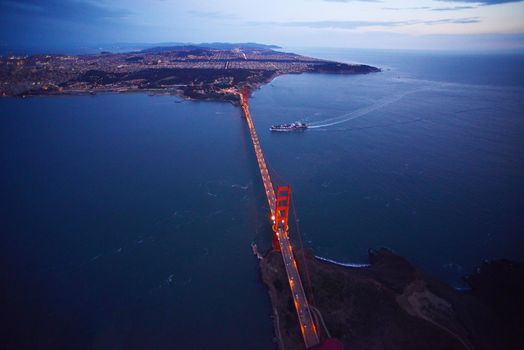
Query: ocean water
point(424, 158)
point(127, 219)
point(127, 223)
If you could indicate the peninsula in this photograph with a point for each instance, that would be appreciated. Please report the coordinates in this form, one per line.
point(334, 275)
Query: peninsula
point(390, 304)
point(216, 72)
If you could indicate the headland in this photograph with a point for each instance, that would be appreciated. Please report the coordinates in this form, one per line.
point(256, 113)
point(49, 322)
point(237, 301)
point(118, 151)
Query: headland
point(391, 304)
point(198, 72)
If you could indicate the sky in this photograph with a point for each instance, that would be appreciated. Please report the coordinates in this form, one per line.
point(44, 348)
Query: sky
point(383, 24)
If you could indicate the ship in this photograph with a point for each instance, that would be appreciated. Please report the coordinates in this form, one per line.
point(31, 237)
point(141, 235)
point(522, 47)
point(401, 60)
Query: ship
point(296, 126)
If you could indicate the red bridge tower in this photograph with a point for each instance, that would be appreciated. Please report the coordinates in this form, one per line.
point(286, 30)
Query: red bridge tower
point(280, 219)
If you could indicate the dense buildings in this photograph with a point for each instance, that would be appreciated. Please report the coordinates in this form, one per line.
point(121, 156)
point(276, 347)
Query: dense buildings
point(191, 71)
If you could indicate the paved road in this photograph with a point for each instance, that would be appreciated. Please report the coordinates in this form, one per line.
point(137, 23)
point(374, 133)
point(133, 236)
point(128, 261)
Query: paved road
point(307, 326)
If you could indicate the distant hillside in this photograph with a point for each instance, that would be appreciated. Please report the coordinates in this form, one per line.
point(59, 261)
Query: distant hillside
point(79, 49)
point(218, 46)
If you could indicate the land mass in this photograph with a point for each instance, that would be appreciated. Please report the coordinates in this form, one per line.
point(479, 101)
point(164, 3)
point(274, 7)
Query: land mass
point(216, 72)
point(390, 304)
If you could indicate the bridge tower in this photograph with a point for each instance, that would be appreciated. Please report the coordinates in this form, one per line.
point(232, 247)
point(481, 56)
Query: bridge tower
point(280, 218)
point(244, 91)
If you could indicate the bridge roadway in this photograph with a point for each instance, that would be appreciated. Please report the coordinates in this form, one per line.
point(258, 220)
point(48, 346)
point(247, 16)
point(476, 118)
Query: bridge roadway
point(307, 326)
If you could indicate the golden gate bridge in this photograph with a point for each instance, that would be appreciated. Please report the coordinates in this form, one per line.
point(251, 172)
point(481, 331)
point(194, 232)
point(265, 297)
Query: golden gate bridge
point(279, 205)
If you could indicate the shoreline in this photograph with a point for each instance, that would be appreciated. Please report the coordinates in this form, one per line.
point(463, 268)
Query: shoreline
point(355, 265)
point(390, 304)
point(200, 74)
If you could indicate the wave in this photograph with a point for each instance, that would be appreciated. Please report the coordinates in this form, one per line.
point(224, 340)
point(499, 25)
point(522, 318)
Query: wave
point(346, 264)
point(240, 186)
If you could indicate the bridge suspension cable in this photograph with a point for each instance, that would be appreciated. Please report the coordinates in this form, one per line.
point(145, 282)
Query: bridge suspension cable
point(277, 205)
point(304, 262)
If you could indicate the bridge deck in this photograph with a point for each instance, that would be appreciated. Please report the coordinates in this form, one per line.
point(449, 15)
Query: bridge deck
point(307, 326)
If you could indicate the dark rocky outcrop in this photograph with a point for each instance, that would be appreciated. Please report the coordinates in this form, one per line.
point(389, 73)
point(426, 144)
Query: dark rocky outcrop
point(393, 305)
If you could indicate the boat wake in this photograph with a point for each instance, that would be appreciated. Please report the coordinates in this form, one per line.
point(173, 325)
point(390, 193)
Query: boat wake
point(360, 112)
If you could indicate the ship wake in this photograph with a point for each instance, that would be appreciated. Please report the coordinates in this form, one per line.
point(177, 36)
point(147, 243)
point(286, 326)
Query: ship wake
point(361, 111)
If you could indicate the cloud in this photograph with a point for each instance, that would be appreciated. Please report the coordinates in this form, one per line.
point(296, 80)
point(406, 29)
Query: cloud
point(451, 8)
point(339, 24)
point(407, 8)
point(69, 10)
point(483, 2)
point(349, 25)
point(467, 20)
point(474, 4)
point(213, 15)
point(353, 0)
point(53, 23)
point(454, 8)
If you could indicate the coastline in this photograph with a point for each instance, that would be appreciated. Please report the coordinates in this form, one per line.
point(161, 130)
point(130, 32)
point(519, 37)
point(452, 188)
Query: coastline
point(390, 304)
point(200, 74)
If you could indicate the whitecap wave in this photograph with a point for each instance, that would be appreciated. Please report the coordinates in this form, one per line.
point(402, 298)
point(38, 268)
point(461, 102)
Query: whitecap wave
point(346, 264)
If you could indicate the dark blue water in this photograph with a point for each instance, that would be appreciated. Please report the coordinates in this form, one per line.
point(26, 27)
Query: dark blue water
point(127, 223)
point(127, 219)
point(424, 158)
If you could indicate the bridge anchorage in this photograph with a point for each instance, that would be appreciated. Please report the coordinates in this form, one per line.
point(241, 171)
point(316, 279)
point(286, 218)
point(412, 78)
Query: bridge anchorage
point(279, 205)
